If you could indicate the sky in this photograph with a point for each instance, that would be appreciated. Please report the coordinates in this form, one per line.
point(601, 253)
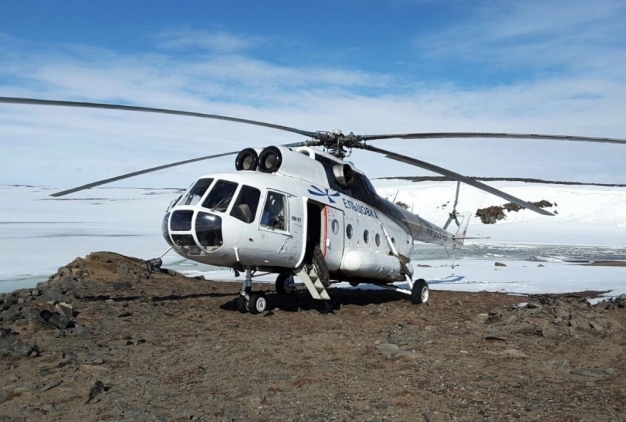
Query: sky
point(367, 67)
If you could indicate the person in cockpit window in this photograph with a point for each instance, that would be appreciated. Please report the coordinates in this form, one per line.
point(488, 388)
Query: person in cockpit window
point(273, 212)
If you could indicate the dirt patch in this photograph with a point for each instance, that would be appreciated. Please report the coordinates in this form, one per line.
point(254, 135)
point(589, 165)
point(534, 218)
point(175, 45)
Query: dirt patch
point(605, 264)
point(158, 346)
point(495, 213)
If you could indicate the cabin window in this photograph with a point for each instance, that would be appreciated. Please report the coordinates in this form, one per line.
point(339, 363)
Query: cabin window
point(366, 236)
point(349, 231)
point(246, 205)
point(196, 192)
point(377, 239)
point(275, 211)
point(220, 196)
point(335, 226)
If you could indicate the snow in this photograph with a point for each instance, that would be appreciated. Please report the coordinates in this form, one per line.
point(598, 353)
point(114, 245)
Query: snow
point(38, 234)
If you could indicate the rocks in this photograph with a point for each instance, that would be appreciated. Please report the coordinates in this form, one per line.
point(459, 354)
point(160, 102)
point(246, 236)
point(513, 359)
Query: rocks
point(64, 309)
point(514, 353)
point(4, 396)
point(551, 317)
point(387, 347)
point(96, 389)
point(615, 303)
point(500, 264)
point(378, 358)
point(593, 372)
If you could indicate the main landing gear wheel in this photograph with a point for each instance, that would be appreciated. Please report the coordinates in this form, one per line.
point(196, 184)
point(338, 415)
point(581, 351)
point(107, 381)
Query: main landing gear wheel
point(284, 284)
point(242, 304)
point(419, 292)
point(257, 304)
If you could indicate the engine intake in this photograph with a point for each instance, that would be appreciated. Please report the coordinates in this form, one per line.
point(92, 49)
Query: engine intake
point(344, 175)
point(247, 160)
point(270, 160)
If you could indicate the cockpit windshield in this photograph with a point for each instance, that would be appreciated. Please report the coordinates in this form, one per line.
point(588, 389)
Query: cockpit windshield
point(220, 196)
point(195, 194)
point(246, 205)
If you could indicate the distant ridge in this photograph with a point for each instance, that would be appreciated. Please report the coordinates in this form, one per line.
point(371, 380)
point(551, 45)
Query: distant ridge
point(499, 179)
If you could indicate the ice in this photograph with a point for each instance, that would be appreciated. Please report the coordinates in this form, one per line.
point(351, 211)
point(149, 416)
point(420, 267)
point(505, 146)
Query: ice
point(38, 234)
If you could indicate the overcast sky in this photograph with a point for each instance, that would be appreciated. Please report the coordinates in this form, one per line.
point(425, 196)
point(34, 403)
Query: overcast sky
point(368, 67)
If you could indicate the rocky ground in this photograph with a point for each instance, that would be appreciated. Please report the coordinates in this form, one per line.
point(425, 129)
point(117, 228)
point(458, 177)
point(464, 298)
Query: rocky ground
point(104, 339)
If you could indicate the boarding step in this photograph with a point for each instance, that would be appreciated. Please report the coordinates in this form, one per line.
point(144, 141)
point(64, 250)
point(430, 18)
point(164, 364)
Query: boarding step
point(312, 282)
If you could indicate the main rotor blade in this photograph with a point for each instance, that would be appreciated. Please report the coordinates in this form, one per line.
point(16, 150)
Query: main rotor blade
point(165, 166)
point(137, 173)
point(462, 135)
point(78, 104)
point(456, 176)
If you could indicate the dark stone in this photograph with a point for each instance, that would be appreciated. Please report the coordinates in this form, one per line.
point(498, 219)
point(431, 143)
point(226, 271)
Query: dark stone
point(59, 321)
point(55, 296)
point(500, 264)
point(97, 388)
point(12, 314)
point(51, 385)
point(4, 396)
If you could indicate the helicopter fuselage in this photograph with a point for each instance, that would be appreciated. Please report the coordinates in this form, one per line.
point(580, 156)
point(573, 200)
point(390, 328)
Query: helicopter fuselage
point(274, 219)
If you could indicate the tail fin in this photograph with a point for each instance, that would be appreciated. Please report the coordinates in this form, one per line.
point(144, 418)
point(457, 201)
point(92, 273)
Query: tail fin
point(460, 233)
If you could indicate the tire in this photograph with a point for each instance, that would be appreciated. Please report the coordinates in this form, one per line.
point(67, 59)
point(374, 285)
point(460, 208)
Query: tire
point(284, 283)
point(242, 306)
point(257, 304)
point(420, 292)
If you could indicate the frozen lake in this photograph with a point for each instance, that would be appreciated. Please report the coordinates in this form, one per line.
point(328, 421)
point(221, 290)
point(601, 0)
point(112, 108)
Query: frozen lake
point(39, 234)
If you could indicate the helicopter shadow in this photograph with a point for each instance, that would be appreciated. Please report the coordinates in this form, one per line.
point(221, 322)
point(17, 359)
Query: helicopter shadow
point(301, 301)
point(452, 278)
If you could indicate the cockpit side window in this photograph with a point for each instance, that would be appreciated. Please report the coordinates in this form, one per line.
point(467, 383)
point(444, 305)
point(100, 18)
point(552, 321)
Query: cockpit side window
point(197, 191)
point(275, 211)
point(220, 196)
point(246, 205)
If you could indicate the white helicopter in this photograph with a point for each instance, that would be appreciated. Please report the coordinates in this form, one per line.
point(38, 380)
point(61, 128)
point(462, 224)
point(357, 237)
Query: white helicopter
point(297, 211)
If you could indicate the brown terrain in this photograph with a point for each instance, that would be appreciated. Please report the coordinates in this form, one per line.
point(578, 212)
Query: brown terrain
point(104, 339)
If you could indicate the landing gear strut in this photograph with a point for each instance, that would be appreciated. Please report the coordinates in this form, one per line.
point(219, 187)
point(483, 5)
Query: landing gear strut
point(247, 301)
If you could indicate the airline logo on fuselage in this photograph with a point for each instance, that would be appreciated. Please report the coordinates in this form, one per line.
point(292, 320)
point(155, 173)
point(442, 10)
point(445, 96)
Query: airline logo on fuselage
point(359, 208)
point(319, 192)
point(346, 202)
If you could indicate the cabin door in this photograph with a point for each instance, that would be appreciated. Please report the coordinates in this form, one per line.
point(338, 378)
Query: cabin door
point(333, 230)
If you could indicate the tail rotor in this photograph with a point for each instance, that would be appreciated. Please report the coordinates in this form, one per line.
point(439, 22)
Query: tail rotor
point(454, 214)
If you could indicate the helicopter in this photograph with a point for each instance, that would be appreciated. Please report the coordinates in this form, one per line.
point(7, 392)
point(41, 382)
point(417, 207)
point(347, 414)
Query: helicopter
point(296, 210)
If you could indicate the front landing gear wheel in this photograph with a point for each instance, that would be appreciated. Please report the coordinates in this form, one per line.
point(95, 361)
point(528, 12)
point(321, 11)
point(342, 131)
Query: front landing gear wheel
point(242, 304)
point(419, 292)
point(257, 304)
point(284, 284)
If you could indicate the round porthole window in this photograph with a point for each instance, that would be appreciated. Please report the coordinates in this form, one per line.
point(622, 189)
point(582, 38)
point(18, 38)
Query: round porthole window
point(377, 239)
point(366, 236)
point(335, 226)
point(349, 231)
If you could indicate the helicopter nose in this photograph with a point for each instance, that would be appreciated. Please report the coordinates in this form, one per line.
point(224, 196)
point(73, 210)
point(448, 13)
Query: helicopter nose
point(179, 231)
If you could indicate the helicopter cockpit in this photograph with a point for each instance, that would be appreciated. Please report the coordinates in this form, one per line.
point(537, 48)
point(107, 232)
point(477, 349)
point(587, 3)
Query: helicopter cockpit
point(193, 225)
